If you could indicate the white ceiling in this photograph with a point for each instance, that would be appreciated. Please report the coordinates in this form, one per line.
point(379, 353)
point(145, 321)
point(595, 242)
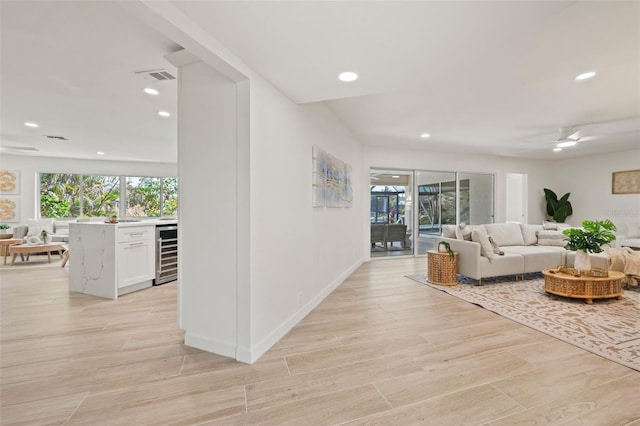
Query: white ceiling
point(479, 76)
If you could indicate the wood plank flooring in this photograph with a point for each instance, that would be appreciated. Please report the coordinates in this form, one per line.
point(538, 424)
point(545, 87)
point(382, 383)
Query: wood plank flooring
point(381, 349)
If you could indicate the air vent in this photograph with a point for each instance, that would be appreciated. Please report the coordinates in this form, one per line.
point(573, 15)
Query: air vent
point(156, 75)
point(62, 138)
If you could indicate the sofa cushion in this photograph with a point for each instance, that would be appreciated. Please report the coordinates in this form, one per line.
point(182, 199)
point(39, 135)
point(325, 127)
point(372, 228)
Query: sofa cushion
point(505, 234)
point(552, 238)
point(36, 226)
point(479, 236)
point(463, 232)
point(537, 258)
point(449, 231)
point(633, 230)
point(529, 233)
point(555, 226)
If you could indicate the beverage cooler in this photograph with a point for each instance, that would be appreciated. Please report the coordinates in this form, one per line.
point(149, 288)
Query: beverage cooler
point(166, 254)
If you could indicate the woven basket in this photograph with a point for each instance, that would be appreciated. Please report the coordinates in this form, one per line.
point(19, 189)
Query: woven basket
point(583, 286)
point(441, 268)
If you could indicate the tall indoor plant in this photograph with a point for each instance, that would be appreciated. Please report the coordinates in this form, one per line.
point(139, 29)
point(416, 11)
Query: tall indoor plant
point(589, 239)
point(558, 208)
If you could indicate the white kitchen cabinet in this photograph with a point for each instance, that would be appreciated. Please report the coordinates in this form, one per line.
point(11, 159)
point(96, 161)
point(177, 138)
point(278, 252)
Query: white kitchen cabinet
point(135, 255)
point(109, 260)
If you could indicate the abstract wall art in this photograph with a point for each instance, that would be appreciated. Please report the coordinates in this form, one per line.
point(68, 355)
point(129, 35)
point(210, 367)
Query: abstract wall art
point(9, 209)
point(9, 182)
point(331, 180)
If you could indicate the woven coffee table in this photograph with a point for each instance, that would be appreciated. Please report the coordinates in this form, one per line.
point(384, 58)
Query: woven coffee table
point(583, 287)
point(22, 249)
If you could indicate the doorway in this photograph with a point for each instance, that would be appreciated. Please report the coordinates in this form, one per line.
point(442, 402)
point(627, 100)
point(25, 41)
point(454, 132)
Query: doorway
point(391, 212)
point(516, 197)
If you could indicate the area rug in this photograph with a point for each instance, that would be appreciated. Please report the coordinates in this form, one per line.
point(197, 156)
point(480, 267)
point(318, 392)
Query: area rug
point(609, 328)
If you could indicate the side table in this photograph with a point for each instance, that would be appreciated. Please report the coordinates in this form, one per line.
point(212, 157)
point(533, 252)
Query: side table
point(442, 268)
point(4, 246)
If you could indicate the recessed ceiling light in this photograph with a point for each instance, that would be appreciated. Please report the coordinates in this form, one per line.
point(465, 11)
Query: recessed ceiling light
point(151, 91)
point(395, 176)
point(100, 153)
point(164, 114)
point(586, 75)
point(557, 149)
point(425, 135)
point(566, 144)
point(348, 76)
point(28, 124)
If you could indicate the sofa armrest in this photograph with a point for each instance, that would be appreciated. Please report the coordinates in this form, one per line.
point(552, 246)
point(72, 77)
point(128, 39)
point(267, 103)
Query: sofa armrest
point(468, 256)
point(20, 231)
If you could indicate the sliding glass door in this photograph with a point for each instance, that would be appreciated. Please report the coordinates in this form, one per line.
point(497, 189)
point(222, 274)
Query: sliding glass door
point(391, 212)
point(441, 198)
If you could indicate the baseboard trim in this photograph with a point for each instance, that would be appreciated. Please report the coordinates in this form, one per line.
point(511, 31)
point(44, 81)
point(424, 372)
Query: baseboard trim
point(253, 354)
point(199, 342)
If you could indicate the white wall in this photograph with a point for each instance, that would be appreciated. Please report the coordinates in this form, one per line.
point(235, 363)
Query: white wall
point(299, 254)
point(30, 166)
point(207, 160)
point(241, 295)
point(589, 181)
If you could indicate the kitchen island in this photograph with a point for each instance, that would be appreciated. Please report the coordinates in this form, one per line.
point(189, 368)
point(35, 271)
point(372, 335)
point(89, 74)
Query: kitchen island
point(109, 260)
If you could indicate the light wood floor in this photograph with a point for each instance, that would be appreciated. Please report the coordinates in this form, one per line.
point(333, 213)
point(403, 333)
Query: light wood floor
point(381, 349)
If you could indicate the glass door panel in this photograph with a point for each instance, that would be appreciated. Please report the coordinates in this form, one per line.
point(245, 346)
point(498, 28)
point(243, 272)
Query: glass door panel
point(391, 209)
point(436, 206)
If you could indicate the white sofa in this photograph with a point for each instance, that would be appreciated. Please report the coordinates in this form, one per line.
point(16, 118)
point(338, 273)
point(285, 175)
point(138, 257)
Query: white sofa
point(631, 238)
point(526, 248)
point(58, 229)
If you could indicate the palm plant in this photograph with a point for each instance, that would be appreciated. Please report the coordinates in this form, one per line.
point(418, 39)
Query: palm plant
point(590, 239)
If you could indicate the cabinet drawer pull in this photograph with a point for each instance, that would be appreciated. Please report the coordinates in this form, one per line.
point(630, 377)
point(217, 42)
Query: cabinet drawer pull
point(136, 244)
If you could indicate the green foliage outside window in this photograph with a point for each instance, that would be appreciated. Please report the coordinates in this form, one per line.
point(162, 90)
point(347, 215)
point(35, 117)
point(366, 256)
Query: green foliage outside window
point(70, 195)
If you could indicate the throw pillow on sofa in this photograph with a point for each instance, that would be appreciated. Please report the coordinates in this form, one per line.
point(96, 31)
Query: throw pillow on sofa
point(495, 246)
point(552, 238)
point(479, 236)
point(529, 233)
point(463, 232)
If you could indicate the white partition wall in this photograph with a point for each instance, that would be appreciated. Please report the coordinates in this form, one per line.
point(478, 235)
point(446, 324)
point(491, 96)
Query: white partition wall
point(208, 166)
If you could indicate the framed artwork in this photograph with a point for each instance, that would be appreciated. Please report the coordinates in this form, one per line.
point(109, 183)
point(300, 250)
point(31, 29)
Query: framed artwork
point(625, 182)
point(9, 209)
point(9, 182)
point(319, 177)
point(331, 180)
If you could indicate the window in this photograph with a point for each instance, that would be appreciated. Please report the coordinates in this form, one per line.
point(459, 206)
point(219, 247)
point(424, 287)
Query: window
point(100, 195)
point(72, 195)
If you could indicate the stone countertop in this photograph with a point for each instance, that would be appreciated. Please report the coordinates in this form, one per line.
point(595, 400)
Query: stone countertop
point(125, 224)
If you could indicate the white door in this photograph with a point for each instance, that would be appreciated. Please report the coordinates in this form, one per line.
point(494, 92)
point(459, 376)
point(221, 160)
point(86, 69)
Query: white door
point(516, 197)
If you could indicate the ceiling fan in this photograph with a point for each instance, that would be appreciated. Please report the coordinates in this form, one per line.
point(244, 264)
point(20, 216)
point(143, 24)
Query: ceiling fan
point(570, 136)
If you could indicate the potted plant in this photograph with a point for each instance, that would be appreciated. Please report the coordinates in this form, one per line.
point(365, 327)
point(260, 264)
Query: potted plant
point(590, 239)
point(445, 247)
point(558, 209)
point(3, 231)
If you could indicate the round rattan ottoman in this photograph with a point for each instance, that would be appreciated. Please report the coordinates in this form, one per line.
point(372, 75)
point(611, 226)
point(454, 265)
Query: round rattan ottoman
point(442, 268)
point(583, 287)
